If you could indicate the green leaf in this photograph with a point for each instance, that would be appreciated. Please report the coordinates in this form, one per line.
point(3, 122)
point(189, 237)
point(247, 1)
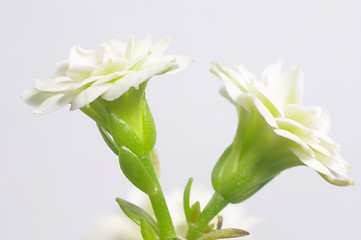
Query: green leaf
point(137, 215)
point(124, 135)
point(147, 231)
point(224, 233)
point(135, 171)
point(108, 139)
point(195, 211)
point(186, 201)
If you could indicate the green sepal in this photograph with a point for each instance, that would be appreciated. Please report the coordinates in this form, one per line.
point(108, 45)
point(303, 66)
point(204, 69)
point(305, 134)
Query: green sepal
point(136, 214)
point(219, 171)
point(224, 233)
point(108, 139)
point(149, 131)
point(124, 135)
point(195, 211)
point(147, 231)
point(186, 201)
point(135, 171)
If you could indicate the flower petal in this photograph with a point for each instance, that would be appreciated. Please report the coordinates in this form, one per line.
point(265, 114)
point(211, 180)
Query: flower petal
point(62, 67)
point(142, 47)
point(158, 49)
point(292, 86)
point(296, 140)
point(114, 48)
point(82, 57)
point(54, 85)
point(54, 103)
point(80, 72)
point(130, 48)
point(34, 97)
point(182, 62)
point(264, 111)
point(312, 117)
point(306, 134)
point(333, 163)
point(311, 162)
point(122, 85)
point(271, 77)
point(234, 90)
point(88, 95)
point(111, 66)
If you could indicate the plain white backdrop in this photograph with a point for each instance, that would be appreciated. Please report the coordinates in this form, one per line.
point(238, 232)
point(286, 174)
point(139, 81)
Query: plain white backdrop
point(56, 174)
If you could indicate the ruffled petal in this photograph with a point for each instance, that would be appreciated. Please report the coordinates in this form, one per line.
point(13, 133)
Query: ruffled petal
point(234, 90)
point(291, 89)
point(306, 134)
point(62, 67)
point(88, 95)
point(158, 49)
point(122, 85)
point(79, 72)
point(82, 57)
point(311, 162)
point(34, 97)
point(312, 117)
point(182, 61)
point(54, 85)
point(54, 103)
point(333, 163)
point(129, 52)
point(264, 111)
point(111, 66)
point(142, 47)
point(258, 90)
point(295, 141)
point(271, 77)
point(114, 48)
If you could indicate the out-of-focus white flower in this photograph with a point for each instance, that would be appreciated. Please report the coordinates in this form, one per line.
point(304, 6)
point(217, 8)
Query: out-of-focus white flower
point(119, 227)
point(278, 99)
point(107, 72)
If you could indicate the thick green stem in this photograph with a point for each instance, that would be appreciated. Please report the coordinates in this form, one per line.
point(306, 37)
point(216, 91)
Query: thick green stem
point(159, 204)
point(214, 206)
point(162, 215)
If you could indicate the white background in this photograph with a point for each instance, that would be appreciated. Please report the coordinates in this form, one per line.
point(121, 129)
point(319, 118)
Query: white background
point(56, 174)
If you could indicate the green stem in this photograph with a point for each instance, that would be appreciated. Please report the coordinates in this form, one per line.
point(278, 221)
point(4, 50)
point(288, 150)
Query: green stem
point(159, 204)
point(214, 206)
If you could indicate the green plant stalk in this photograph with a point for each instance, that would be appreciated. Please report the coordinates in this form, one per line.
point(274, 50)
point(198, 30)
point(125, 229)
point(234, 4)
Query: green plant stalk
point(214, 206)
point(159, 204)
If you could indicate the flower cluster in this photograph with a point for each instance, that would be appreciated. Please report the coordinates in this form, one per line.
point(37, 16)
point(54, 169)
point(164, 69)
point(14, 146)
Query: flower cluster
point(275, 132)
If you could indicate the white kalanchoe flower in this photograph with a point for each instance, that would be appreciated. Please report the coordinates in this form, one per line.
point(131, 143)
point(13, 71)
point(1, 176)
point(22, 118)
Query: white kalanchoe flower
point(108, 73)
point(278, 99)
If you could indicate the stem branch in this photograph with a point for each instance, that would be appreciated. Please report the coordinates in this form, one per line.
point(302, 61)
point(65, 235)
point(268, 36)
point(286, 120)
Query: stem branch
point(214, 206)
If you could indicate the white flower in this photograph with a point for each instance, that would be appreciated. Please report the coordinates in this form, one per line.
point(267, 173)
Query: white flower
point(119, 227)
point(278, 99)
point(107, 73)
